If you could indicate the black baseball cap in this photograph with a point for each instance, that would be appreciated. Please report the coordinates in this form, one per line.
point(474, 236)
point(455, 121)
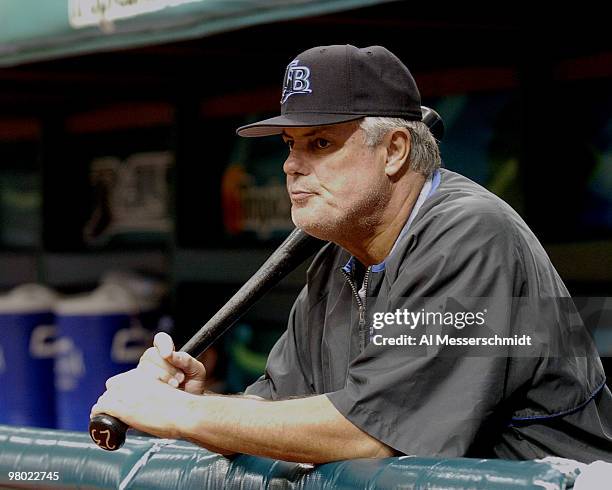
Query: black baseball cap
point(340, 83)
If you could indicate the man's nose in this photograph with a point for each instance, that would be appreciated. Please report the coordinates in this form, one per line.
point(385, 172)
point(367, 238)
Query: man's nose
point(294, 164)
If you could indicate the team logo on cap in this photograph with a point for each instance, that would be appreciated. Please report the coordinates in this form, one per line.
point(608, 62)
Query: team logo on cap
point(297, 81)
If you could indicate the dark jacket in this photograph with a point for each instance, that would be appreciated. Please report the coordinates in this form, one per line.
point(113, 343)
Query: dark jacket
point(466, 250)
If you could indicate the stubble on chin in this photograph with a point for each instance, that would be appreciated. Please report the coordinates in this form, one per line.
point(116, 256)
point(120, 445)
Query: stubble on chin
point(354, 222)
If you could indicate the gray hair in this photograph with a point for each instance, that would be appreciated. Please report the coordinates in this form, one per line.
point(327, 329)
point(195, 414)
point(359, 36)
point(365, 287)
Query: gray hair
point(424, 152)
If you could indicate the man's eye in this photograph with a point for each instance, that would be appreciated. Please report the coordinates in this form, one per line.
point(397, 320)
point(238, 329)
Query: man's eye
point(322, 143)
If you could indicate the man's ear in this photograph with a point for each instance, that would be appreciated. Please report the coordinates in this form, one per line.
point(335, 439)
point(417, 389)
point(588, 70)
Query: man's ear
point(398, 152)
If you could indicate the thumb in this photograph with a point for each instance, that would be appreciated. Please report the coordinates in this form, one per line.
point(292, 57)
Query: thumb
point(164, 344)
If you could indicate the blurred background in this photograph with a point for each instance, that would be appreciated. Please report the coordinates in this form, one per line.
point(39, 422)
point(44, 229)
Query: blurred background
point(129, 206)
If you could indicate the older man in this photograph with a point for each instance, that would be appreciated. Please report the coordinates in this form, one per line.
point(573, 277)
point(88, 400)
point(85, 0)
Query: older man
point(363, 173)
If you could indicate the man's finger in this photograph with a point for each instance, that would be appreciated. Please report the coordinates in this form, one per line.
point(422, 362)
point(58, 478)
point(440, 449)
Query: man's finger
point(164, 344)
point(114, 380)
point(107, 405)
point(172, 376)
point(188, 364)
point(152, 356)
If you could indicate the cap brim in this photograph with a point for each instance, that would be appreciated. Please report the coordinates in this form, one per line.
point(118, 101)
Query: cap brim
point(275, 125)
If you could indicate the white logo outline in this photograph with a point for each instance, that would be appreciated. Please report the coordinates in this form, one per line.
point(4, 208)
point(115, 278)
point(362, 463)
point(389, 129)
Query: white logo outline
point(297, 80)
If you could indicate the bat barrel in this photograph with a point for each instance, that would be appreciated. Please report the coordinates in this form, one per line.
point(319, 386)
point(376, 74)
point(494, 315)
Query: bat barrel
point(433, 121)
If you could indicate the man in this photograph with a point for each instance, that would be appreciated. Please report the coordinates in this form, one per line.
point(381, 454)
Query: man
point(363, 173)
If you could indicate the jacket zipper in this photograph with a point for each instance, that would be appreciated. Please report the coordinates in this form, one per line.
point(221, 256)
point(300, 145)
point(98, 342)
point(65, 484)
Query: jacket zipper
point(361, 304)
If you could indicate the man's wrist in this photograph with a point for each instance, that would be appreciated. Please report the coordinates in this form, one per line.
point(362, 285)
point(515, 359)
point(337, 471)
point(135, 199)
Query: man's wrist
point(190, 415)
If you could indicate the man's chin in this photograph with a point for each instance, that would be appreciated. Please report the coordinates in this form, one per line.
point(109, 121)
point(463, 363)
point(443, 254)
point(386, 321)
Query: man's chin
point(311, 225)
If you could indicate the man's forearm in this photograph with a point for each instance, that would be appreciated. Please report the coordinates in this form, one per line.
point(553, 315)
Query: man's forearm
point(304, 430)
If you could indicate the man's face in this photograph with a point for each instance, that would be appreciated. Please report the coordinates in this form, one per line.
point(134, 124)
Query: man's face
point(337, 184)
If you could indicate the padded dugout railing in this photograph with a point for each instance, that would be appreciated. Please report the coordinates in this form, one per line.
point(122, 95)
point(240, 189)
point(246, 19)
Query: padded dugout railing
point(150, 463)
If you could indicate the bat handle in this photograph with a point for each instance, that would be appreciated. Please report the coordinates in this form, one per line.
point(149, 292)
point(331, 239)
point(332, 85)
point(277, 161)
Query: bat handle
point(107, 432)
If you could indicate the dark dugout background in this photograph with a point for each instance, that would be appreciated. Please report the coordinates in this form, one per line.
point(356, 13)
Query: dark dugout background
point(526, 102)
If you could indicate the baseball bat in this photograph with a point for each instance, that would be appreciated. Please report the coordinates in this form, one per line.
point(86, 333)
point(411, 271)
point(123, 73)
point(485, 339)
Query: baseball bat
point(109, 432)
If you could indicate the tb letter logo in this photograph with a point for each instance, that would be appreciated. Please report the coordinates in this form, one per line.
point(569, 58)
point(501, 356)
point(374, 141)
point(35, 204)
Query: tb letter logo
point(297, 80)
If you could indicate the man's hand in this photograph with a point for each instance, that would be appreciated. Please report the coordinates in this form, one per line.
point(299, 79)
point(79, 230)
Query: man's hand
point(144, 403)
point(178, 369)
point(153, 397)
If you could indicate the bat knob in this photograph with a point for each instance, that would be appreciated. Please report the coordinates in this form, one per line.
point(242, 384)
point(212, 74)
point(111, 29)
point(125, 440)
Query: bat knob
point(107, 432)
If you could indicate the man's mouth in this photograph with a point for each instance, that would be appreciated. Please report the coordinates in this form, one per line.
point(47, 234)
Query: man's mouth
point(300, 194)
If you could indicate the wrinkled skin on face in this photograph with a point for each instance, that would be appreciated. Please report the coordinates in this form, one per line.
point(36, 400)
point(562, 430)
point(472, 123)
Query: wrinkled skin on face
point(337, 184)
